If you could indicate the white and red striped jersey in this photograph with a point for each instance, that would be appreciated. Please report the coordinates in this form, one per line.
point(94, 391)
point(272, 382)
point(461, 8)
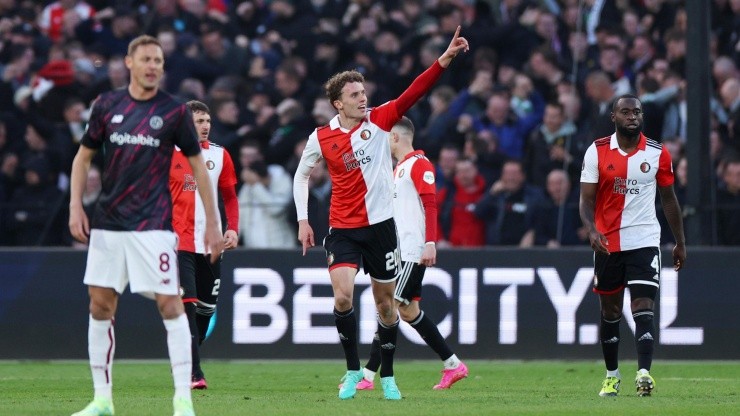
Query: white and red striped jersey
point(414, 176)
point(627, 184)
point(360, 165)
point(188, 211)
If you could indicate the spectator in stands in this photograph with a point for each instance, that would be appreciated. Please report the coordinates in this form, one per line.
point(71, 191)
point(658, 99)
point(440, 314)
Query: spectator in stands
point(168, 13)
point(36, 210)
point(551, 146)
point(510, 130)
point(228, 128)
point(67, 135)
point(41, 142)
point(508, 208)
point(445, 166)
point(556, 221)
point(440, 124)
point(116, 76)
point(482, 149)
point(612, 63)
point(600, 92)
point(264, 198)
point(292, 126)
point(458, 225)
point(58, 19)
point(220, 54)
point(111, 29)
point(289, 83)
point(545, 72)
point(728, 204)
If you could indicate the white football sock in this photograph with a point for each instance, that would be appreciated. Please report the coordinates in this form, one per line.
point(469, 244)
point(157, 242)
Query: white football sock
point(181, 360)
point(101, 345)
point(452, 362)
point(613, 373)
point(368, 374)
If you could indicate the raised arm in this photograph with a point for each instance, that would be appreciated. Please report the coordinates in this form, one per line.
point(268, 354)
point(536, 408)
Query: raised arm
point(424, 82)
point(457, 44)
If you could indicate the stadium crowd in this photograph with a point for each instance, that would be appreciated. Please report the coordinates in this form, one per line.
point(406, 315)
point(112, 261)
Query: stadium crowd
point(507, 125)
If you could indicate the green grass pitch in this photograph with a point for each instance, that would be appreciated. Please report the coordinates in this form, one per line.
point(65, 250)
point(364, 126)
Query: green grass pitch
point(309, 388)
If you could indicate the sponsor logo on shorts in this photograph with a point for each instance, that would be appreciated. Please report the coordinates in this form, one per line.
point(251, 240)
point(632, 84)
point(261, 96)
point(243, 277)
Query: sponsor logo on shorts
point(330, 259)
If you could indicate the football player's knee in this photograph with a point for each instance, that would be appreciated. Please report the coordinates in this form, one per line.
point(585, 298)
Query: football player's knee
point(342, 302)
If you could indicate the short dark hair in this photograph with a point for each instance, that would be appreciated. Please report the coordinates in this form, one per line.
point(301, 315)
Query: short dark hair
point(195, 105)
point(623, 97)
point(406, 124)
point(334, 85)
point(141, 41)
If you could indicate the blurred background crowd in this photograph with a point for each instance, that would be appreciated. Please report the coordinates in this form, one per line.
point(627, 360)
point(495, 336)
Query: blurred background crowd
point(506, 126)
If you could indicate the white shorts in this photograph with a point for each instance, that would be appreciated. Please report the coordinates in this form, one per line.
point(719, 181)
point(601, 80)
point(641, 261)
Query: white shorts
point(147, 260)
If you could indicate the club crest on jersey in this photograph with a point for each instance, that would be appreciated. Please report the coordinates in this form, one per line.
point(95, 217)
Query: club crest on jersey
point(428, 177)
point(330, 259)
point(210, 165)
point(401, 173)
point(156, 122)
point(645, 167)
point(365, 134)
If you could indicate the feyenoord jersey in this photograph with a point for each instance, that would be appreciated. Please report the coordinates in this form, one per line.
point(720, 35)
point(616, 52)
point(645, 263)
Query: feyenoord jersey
point(188, 211)
point(627, 184)
point(414, 176)
point(359, 162)
point(137, 139)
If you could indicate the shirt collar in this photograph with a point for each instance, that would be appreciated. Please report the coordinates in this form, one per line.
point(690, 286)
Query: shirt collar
point(614, 144)
point(334, 122)
point(205, 144)
point(412, 154)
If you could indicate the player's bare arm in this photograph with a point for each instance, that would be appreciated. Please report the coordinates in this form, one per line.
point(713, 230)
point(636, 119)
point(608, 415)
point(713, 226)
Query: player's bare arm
point(457, 44)
point(672, 211)
point(213, 238)
point(79, 225)
point(586, 208)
